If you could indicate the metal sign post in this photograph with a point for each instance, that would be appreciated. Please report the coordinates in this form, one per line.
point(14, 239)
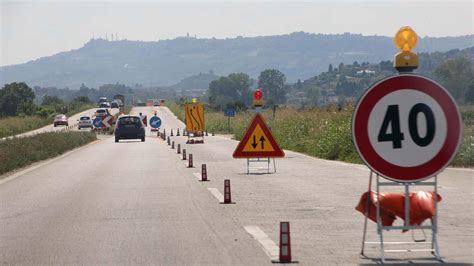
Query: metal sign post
point(433, 226)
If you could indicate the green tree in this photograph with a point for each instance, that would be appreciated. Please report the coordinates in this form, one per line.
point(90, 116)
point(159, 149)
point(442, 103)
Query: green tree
point(456, 75)
point(330, 68)
point(273, 84)
point(470, 94)
point(230, 90)
point(14, 95)
point(82, 99)
point(51, 101)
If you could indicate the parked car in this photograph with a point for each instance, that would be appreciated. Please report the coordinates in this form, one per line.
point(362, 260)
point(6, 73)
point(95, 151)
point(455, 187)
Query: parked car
point(60, 119)
point(84, 122)
point(129, 127)
point(102, 112)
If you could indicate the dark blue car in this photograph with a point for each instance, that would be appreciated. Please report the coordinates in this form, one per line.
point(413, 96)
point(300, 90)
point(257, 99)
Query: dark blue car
point(129, 127)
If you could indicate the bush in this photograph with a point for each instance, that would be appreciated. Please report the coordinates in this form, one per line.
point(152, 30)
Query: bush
point(19, 152)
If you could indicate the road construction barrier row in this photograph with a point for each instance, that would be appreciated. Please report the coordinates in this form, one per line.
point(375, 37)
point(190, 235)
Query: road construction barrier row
point(285, 255)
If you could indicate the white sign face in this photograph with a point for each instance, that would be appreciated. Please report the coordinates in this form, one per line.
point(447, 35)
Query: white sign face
point(407, 128)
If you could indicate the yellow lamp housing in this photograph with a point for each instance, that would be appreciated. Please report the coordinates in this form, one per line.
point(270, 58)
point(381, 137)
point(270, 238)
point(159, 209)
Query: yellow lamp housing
point(406, 61)
point(258, 103)
point(406, 40)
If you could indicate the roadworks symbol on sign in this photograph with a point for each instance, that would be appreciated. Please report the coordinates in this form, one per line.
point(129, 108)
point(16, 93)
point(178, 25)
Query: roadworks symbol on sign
point(258, 141)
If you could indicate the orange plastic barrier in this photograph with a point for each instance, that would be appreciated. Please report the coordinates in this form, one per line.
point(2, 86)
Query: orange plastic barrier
point(422, 206)
point(386, 216)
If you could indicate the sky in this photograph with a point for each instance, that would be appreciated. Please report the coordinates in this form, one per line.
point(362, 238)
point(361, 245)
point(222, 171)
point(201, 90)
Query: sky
point(34, 29)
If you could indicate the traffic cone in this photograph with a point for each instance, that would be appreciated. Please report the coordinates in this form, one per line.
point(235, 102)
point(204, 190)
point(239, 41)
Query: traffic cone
point(190, 162)
point(172, 145)
point(285, 244)
point(179, 149)
point(227, 196)
point(204, 173)
point(184, 154)
point(177, 133)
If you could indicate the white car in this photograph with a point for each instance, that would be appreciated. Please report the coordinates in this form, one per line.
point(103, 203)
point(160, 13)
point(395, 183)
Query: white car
point(84, 122)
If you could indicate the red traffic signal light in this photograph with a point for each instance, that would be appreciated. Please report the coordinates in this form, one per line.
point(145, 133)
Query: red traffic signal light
point(258, 94)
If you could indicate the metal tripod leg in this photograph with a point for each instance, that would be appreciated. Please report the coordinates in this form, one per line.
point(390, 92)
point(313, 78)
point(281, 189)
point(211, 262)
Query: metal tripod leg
point(434, 224)
point(379, 223)
point(366, 215)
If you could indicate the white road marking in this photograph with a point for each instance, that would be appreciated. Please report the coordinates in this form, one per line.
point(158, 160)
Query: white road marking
point(270, 248)
point(217, 194)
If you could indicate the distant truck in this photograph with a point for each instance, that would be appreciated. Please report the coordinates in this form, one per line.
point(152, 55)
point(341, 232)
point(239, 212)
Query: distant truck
point(152, 102)
point(117, 103)
point(120, 100)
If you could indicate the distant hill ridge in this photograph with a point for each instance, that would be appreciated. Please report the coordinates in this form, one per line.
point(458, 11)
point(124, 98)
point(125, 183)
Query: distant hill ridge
point(299, 55)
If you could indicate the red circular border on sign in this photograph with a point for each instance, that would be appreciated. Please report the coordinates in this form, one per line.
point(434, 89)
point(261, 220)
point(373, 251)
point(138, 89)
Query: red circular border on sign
point(380, 165)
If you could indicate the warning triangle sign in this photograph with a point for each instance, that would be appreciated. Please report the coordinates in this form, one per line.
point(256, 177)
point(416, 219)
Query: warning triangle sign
point(258, 141)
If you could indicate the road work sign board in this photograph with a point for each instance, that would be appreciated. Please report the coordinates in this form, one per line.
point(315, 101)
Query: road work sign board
point(258, 141)
point(103, 121)
point(229, 112)
point(406, 128)
point(97, 122)
point(155, 122)
point(194, 116)
point(144, 120)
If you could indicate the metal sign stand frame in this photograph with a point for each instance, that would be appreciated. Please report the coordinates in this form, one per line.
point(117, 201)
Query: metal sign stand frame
point(406, 225)
point(261, 160)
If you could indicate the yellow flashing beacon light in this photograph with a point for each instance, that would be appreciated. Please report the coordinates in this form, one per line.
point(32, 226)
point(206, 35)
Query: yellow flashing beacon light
point(194, 100)
point(405, 40)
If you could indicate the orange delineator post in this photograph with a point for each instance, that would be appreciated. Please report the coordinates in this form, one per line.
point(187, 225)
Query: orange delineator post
point(190, 162)
point(171, 134)
point(169, 141)
point(179, 149)
point(204, 173)
point(177, 132)
point(285, 244)
point(227, 196)
point(184, 154)
point(172, 145)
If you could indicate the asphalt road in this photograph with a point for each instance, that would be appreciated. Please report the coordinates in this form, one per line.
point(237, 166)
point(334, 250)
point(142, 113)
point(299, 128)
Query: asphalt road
point(138, 203)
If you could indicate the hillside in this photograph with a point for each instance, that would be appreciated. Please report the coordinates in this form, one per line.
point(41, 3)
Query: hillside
point(299, 55)
point(347, 82)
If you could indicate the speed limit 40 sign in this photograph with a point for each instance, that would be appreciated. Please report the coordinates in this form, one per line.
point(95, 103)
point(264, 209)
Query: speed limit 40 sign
point(406, 128)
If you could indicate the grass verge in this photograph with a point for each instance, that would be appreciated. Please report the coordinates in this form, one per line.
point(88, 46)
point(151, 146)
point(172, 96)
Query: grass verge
point(11, 126)
point(320, 132)
point(20, 152)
